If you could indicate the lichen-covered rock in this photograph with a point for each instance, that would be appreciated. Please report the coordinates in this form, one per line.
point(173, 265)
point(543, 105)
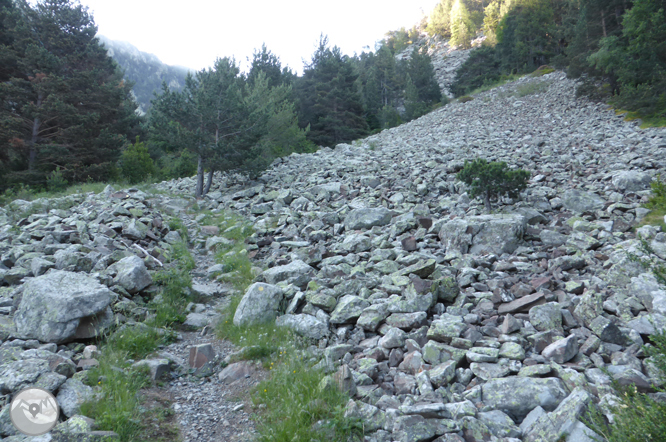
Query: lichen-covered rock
point(61, 305)
point(517, 396)
point(71, 395)
point(260, 303)
point(367, 218)
point(304, 324)
point(131, 274)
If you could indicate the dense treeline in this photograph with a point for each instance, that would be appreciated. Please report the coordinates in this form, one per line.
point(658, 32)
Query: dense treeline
point(618, 46)
point(68, 116)
point(65, 105)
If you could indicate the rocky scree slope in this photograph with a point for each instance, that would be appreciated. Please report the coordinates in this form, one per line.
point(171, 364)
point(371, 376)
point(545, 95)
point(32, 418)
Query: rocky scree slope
point(446, 323)
point(79, 264)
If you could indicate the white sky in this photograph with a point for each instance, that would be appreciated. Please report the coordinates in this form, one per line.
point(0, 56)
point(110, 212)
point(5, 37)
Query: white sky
point(193, 33)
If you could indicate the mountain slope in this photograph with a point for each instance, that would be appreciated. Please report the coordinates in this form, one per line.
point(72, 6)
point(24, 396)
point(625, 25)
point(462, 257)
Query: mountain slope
point(145, 70)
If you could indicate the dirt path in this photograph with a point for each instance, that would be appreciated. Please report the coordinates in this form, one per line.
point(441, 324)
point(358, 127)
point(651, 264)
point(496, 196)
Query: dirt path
point(206, 409)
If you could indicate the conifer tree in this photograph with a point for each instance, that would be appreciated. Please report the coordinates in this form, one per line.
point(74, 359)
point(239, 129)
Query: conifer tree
point(69, 104)
point(462, 27)
point(329, 101)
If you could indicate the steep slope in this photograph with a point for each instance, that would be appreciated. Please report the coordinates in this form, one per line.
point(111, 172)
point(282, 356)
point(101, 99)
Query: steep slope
point(456, 321)
point(442, 321)
point(145, 70)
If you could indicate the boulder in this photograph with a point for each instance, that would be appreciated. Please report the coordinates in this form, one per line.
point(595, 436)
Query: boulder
point(517, 396)
point(259, 304)
point(304, 325)
point(579, 201)
point(631, 180)
point(71, 395)
point(131, 274)
point(297, 272)
point(367, 218)
point(62, 306)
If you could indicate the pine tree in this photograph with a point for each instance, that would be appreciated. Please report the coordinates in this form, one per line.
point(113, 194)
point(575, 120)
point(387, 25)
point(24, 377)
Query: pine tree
point(462, 27)
point(69, 104)
point(439, 21)
point(329, 101)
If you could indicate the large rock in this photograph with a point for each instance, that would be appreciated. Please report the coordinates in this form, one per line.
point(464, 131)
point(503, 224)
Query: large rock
point(579, 201)
point(71, 395)
point(297, 272)
point(259, 304)
point(305, 325)
point(367, 218)
point(517, 396)
point(631, 180)
point(131, 274)
point(349, 308)
point(19, 374)
point(483, 234)
point(61, 306)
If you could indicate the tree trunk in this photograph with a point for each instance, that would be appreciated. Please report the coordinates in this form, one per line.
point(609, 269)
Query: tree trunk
point(198, 193)
point(603, 24)
point(36, 124)
point(486, 201)
point(209, 181)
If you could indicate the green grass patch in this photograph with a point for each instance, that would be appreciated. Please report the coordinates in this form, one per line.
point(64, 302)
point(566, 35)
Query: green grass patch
point(646, 121)
point(297, 410)
point(657, 205)
point(493, 84)
point(465, 99)
point(531, 88)
point(120, 406)
point(117, 404)
point(636, 416)
point(542, 70)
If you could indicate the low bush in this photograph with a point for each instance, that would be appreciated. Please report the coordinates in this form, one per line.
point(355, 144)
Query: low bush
point(492, 180)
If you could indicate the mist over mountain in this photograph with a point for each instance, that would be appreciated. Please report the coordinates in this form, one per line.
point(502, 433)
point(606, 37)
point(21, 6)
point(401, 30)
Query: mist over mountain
point(145, 70)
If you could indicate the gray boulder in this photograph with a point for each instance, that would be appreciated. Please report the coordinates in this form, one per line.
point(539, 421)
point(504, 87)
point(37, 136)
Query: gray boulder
point(131, 274)
point(483, 234)
point(579, 201)
point(259, 304)
point(71, 395)
point(367, 218)
point(517, 396)
point(631, 180)
point(303, 324)
point(297, 272)
point(61, 306)
point(18, 374)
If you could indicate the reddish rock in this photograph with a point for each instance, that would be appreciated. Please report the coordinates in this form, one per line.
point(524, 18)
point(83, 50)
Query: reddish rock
point(522, 304)
point(409, 244)
point(200, 355)
point(234, 372)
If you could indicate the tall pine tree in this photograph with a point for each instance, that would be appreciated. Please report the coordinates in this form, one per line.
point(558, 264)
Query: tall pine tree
point(65, 102)
point(329, 102)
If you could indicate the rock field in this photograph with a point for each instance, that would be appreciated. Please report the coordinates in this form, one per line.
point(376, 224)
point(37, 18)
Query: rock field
point(443, 322)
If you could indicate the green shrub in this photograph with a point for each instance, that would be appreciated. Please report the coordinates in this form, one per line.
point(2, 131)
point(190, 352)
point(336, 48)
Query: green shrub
point(656, 204)
point(636, 416)
point(135, 163)
point(542, 70)
point(492, 180)
point(55, 181)
point(531, 88)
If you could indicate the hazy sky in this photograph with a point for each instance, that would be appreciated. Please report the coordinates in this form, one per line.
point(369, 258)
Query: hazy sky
point(193, 33)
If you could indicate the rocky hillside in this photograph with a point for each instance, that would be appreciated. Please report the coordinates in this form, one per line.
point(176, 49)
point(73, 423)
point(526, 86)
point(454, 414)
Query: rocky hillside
point(443, 322)
point(445, 59)
point(145, 70)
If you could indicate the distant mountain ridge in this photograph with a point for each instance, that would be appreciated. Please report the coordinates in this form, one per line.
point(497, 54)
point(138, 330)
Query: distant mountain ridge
point(145, 70)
